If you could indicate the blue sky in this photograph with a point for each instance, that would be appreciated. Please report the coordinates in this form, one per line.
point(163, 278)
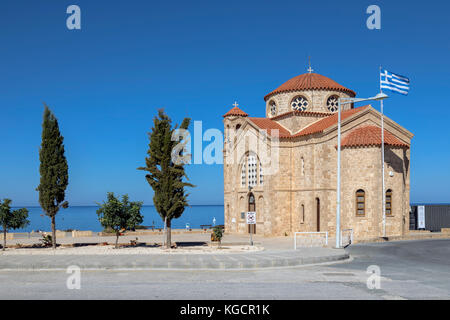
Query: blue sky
point(106, 81)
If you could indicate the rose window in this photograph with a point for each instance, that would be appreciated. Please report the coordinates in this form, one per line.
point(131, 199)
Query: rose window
point(299, 103)
point(332, 103)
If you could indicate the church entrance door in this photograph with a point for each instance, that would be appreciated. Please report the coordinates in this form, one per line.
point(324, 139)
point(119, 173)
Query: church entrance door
point(251, 207)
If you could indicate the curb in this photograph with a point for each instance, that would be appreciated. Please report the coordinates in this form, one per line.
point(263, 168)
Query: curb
point(233, 263)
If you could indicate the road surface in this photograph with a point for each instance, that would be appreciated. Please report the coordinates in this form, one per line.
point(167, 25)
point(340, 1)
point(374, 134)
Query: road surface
point(409, 270)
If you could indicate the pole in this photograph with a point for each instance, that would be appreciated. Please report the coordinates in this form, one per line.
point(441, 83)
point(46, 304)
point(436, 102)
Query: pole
point(382, 162)
point(382, 171)
point(338, 187)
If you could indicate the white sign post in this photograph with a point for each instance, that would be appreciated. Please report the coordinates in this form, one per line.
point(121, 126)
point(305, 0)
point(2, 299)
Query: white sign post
point(251, 219)
point(421, 217)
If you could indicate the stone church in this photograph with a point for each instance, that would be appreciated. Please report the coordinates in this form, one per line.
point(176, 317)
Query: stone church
point(300, 126)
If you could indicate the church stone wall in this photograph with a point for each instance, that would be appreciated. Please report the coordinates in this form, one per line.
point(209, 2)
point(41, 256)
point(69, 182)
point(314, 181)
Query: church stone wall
point(287, 202)
point(364, 173)
point(307, 172)
point(295, 123)
point(359, 171)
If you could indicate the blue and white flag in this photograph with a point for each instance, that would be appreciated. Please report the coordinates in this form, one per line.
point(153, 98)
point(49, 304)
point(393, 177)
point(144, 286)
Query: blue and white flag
point(394, 82)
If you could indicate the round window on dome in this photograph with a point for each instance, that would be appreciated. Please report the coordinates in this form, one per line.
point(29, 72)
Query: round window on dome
point(332, 103)
point(299, 103)
point(273, 108)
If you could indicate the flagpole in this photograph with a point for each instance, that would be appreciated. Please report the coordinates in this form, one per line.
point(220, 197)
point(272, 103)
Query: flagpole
point(382, 163)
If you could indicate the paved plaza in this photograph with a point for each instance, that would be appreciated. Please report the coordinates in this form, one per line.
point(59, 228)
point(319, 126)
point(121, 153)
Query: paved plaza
point(194, 252)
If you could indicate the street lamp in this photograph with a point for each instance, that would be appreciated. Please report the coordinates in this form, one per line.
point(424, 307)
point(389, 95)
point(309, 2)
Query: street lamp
point(343, 101)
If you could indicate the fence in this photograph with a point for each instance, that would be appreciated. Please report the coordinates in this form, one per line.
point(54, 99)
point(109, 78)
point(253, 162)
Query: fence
point(311, 239)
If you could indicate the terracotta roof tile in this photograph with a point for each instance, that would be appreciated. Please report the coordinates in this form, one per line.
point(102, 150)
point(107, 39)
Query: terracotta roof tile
point(363, 136)
point(327, 122)
point(235, 111)
point(270, 126)
point(370, 136)
point(310, 81)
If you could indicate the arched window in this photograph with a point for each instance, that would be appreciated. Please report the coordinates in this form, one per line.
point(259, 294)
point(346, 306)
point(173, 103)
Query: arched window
point(251, 202)
point(243, 175)
point(243, 207)
point(299, 103)
point(252, 168)
point(302, 213)
point(260, 206)
point(251, 172)
point(273, 107)
point(261, 175)
point(303, 166)
point(360, 202)
point(236, 133)
point(227, 134)
point(332, 103)
point(389, 202)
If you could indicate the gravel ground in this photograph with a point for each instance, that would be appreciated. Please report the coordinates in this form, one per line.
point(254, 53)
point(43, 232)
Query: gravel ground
point(110, 250)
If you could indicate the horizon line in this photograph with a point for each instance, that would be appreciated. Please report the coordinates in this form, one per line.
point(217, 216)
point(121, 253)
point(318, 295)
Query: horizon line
point(92, 205)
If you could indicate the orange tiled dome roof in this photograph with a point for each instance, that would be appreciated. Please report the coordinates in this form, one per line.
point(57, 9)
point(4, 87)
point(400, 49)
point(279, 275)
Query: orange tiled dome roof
point(310, 81)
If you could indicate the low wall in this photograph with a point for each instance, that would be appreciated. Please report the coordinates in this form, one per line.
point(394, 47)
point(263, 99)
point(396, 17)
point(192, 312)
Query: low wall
point(15, 235)
point(79, 234)
point(409, 236)
point(157, 232)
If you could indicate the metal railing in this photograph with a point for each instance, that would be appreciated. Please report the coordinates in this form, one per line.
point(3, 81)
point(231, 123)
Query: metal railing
point(349, 237)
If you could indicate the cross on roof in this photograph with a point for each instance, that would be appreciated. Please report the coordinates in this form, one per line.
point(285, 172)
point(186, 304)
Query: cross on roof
point(310, 70)
point(235, 104)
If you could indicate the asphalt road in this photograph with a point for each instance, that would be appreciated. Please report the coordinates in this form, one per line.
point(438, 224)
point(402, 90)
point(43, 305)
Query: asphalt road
point(409, 270)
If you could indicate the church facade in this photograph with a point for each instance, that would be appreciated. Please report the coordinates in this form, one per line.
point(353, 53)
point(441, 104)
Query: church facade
point(300, 128)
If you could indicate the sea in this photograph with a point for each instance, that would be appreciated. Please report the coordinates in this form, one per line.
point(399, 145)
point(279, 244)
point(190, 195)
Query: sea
point(85, 218)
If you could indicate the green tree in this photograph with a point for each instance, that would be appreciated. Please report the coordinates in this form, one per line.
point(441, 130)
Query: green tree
point(118, 215)
point(165, 175)
point(53, 170)
point(217, 234)
point(15, 219)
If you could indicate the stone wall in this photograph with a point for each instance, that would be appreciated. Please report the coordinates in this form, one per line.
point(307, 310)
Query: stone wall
point(295, 122)
point(317, 100)
point(77, 234)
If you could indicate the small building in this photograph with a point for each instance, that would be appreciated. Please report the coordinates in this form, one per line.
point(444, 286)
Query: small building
point(300, 131)
point(435, 217)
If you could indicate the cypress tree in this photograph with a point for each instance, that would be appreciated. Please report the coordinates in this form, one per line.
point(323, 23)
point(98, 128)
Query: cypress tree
point(53, 170)
point(164, 175)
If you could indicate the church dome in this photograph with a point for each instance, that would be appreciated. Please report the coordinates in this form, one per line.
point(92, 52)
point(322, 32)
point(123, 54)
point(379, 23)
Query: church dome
point(310, 81)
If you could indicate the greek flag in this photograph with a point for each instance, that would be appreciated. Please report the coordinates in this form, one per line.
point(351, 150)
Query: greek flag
point(394, 82)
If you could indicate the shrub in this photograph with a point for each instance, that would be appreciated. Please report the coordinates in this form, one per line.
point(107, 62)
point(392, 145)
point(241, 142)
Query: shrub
point(46, 240)
point(119, 215)
point(217, 234)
